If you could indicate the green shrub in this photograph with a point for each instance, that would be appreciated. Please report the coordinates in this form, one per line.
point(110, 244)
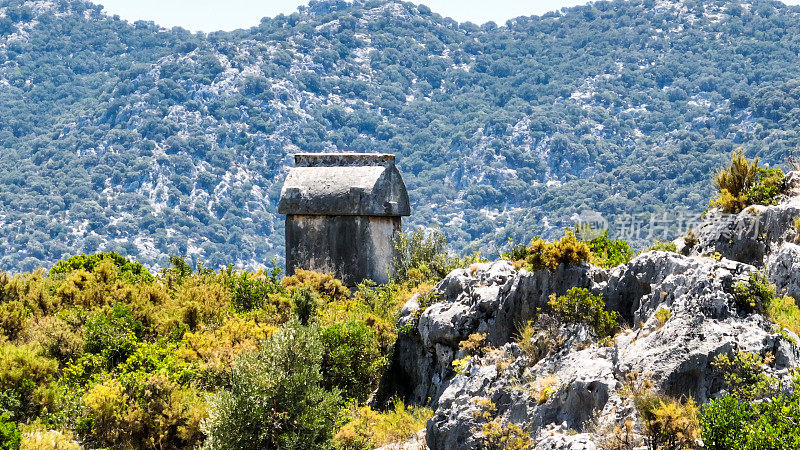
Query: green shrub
point(351, 359)
point(518, 252)
point(305, 304)
point(147, 411)
point(115, 336)
point(568, 250)
point(10, 436)
point(662, 316)
point(328, 288)
point(669, 424)
point(728, 423)
point(609, 253)
point(503, 435)
point(126, 269)
point(725, 423)
point(249, 292)
point(421, 256)
point(579, 306)
point(475, 344)
point(754, 295)
point(662, 247)
point(25, 380)
point(744, 183)
point(13, 317)
point(537, 338)
point(275, 399)
point(60, 336)
point(770, 184)
point(783, 312)
point(744, 375)
point(368, 429)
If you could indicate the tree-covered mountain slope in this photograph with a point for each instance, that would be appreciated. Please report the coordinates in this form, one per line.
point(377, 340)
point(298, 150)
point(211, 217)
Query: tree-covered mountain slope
point(151, 142)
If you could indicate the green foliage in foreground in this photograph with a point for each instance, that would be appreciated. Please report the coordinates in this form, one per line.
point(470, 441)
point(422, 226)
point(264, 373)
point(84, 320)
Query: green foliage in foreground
point(275, 399)
point(97, 350)
point(10, 437)
point(756, 415)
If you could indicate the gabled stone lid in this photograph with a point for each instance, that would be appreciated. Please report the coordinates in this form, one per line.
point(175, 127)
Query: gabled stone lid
point(344, 184)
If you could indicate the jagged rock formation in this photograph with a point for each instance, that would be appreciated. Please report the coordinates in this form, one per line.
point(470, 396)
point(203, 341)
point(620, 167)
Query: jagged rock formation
point(586, 377)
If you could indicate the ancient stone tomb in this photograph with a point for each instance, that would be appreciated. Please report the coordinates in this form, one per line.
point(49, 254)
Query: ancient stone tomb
point(343, 211)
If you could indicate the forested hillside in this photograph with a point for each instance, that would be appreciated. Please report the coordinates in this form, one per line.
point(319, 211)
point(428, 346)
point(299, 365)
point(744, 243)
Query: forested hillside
point(150, 142)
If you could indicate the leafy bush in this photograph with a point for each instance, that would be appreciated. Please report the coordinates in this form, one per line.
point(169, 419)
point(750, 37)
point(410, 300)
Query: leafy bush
point(10, 437)
point(475, 344)
point(744, 375)
point(769, 186)
point(669, 424)
point(26, 378)
point(755, 414)
point(115, 337)
point(44, 439)
point(421, 256)
point(609, 253)
point(783, 311)
point(326, 286)
point(503, 435)
point(150, 411)
point(249, 292)
point(744, 183)
point(579, 306)
point(754, 295)
point(351, 360)
point(731, 424)
point(13, 316)
point(131, 271)
point(305, 304)
point(534, 342)
point(367, 429)
point(216, 349)
point(662, 316)
point(659, 246)
point(61, 337)
point(568, 250)
point(275, 399)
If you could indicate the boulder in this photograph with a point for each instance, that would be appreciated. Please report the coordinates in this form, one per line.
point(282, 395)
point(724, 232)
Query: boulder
point(749, 235)
point(782, 269)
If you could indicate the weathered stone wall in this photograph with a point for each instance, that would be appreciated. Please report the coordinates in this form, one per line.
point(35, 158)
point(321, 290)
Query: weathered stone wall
point(352, 248)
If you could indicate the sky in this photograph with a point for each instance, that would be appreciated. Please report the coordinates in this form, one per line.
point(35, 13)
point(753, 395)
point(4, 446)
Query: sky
point(214, 15)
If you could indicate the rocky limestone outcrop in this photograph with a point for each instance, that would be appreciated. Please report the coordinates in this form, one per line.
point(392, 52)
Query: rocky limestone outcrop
point(704, 322)
point(782, 269)
point(680, 312)
point(752, 234)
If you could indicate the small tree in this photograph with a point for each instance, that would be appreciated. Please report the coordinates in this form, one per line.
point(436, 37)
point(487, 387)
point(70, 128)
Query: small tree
point(744, 183)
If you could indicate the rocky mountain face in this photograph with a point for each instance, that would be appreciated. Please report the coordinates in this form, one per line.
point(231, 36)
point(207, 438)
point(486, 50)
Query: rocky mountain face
point(584, 381)
point(151, 142)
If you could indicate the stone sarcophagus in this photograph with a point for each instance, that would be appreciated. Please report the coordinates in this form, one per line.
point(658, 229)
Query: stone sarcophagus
point(343, 211)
